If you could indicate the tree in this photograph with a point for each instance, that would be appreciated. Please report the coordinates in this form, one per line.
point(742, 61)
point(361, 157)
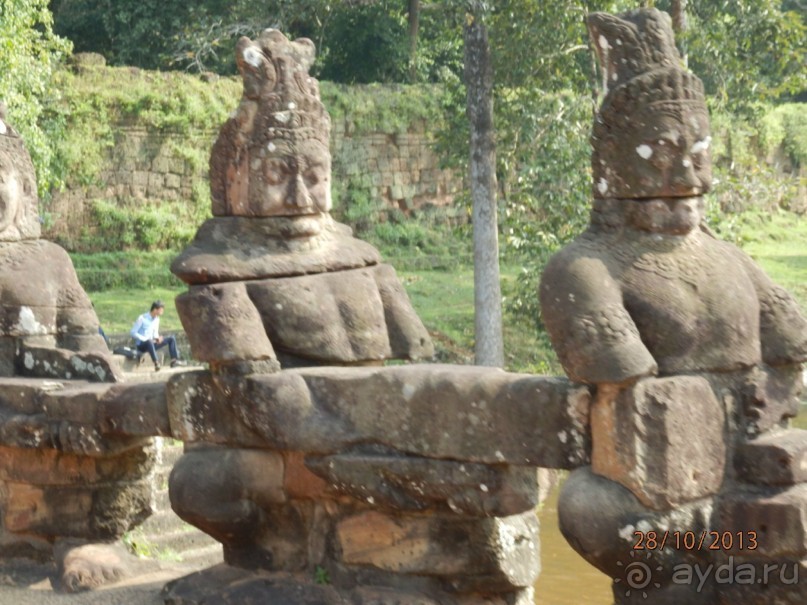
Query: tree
point(29, 52)
point(489, 346)
point(413, 14)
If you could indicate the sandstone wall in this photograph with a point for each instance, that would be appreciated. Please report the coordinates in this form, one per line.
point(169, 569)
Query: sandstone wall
point(396, 170)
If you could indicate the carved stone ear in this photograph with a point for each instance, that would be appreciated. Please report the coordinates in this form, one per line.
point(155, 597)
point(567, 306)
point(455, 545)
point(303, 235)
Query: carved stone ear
point(306, 51)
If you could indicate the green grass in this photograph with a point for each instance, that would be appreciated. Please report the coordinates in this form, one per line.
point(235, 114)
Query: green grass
point(118, 309)
point(778, 242)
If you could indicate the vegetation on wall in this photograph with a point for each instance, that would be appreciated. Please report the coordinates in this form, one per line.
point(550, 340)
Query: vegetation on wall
point(29, 53)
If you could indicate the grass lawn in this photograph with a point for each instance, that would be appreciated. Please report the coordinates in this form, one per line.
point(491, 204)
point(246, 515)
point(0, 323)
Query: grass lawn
point(118, 309)
point(778, 243)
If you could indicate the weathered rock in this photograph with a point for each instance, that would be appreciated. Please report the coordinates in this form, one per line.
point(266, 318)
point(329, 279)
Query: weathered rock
point(431, 411)
point(139, 410)
point(494, 555)
point(778, 519)
point(664, 439)
point(771, 397)
point(221, 324)
point(776, 458)
point(97, 512)
point(65, 364)
point(224, 491)
point(299, 482)
point(416, 484)
point(226, 585)
point(50, 467)
point(606, 524)
point(20, 220)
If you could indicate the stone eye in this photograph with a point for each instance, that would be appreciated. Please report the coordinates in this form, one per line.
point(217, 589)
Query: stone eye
point(276, 173)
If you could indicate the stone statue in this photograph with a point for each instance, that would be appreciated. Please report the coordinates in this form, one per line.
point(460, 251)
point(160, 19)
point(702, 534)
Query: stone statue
point(64, 488)
point(692, 349)
point(275, 281)
point(272, 276)
point(48, 327)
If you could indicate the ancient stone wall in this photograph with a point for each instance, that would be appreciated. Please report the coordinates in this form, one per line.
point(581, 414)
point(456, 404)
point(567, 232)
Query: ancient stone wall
point(396, 171)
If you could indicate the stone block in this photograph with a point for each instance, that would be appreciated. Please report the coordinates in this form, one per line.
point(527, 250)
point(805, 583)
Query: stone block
point(299, 482)
point(434, 411)
point(75, 403)
point(497, 555)
point(407, 483)
point(21, 395)
point(173, 181)
point(139, 410)
point(777, 517)
point(140, 179)
point(777, 458)
point(155, 183)
point(161, 164)
point(661, 438)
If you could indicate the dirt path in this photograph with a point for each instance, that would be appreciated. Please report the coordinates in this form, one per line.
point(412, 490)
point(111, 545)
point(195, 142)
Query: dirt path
point(25, 583)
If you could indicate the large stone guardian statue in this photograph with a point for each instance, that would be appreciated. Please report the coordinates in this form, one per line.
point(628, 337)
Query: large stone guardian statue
point(695, 354)
point(273, 278)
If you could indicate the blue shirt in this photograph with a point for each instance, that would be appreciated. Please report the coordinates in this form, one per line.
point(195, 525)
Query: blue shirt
point(146, 328)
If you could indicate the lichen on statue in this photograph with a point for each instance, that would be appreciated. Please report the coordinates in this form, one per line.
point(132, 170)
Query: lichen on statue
point(272, 275)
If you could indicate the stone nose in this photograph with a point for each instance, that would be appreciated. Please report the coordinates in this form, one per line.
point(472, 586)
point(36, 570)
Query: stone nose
point(684, 180)
point(299, 196)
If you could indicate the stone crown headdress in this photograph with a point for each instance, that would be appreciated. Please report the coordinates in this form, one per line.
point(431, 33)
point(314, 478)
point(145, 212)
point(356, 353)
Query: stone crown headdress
point(641, 67)
point(275, 74)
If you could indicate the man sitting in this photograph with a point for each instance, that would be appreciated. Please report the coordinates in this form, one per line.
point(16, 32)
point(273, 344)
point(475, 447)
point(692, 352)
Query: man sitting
point(146, 332)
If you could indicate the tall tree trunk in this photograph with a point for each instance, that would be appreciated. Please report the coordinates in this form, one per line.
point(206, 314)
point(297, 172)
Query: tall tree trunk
point(679, 19)
point(414, 26)
point(489, 347)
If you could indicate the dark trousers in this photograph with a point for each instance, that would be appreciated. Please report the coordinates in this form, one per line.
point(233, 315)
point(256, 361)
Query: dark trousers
point(151, 348)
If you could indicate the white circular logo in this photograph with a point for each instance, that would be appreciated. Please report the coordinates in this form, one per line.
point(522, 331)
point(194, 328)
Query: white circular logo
point(637, 574)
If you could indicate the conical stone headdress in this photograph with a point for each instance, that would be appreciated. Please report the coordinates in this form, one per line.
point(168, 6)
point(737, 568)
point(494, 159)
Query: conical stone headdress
point(280, 112)
point(643, 80)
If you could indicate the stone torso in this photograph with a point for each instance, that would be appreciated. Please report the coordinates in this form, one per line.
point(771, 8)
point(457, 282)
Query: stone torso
point(694, 306)
point(40, 294)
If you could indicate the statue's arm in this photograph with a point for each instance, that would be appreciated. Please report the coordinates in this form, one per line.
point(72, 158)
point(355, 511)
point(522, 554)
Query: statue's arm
point(594, 336)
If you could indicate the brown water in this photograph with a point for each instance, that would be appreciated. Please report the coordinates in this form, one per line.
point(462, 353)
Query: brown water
point(566, 579)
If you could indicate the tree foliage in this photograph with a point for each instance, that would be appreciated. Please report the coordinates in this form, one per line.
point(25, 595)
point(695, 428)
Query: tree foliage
point(29, 52)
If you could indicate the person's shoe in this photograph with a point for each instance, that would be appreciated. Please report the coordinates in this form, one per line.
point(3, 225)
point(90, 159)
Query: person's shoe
point(157, 367)
point(178, 363)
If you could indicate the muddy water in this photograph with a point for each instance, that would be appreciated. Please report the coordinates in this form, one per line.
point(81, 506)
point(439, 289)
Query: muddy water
point(566, 579)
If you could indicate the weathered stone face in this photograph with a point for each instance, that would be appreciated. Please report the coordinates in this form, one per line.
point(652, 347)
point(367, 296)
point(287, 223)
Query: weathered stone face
point(651, 137)
point(290, 180)
point(659, 155)
point(648, 291)
point(18, 200)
